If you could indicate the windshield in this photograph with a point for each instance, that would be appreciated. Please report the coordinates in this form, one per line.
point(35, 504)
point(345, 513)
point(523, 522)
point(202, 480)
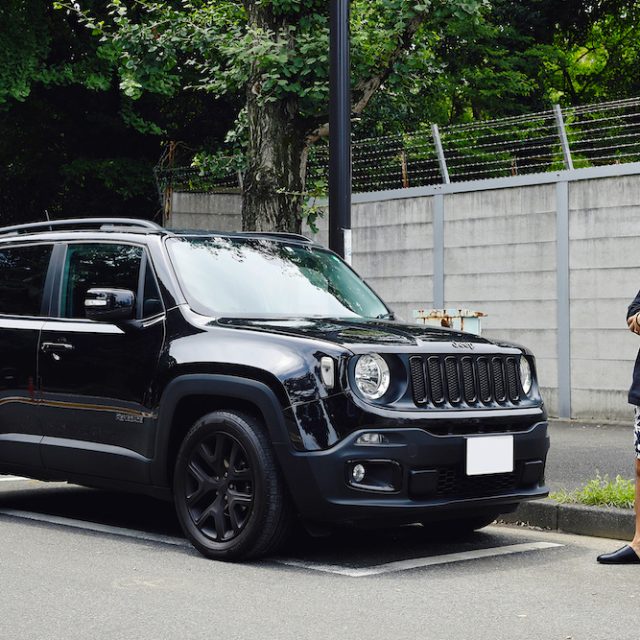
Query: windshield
point(254, 277)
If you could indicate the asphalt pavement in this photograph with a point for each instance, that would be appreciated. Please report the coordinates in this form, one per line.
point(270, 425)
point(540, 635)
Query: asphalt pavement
point(579, 451)
point(78, 563)
point(503, 583)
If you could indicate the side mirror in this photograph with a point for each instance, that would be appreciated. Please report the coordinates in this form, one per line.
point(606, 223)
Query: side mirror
point(109, 304)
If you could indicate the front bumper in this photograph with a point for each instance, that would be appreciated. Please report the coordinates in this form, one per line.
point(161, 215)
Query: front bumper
point(430, 482)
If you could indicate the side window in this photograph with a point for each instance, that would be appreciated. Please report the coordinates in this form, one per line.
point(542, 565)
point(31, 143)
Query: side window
point(107, 266)
point(23, 271)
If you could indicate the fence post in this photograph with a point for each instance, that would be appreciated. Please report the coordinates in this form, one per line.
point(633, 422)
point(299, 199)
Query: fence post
point(444, 172)
point(405, 169)
point(438, 251)
point(562, 132)
point(563, 285)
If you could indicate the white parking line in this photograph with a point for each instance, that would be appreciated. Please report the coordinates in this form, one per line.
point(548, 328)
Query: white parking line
point(95, 527)
point(417, 563)
point(360, 572)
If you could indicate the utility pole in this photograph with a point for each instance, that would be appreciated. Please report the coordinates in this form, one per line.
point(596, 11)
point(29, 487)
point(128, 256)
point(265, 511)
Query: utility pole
point(340, 131)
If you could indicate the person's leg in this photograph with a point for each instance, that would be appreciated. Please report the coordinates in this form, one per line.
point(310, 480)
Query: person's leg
point(630, 554)
point(635, 543)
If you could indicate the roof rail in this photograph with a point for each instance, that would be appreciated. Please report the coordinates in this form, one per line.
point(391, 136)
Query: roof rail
point(79, 223)
point(282, 235)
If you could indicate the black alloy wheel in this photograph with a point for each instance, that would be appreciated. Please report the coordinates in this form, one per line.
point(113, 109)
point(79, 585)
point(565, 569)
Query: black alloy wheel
point(228, 491)
point(219, 487)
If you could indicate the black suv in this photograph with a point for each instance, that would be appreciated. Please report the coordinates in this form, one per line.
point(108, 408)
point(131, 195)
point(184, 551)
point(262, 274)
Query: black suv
point(251, 378)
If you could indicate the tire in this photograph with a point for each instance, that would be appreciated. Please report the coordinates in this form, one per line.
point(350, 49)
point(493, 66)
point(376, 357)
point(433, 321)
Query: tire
point(228, 491)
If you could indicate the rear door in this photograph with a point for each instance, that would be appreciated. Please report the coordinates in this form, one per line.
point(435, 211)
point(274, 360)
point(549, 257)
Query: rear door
point(96, 377)
point(23, 279)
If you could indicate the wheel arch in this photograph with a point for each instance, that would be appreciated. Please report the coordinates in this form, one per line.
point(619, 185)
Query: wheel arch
point(191, 396)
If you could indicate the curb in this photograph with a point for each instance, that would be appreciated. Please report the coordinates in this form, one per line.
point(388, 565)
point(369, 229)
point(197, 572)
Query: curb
point(600, 522)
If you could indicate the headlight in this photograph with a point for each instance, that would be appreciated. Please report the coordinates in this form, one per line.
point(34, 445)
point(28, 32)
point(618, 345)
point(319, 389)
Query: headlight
point(526, 378)
point(372, 376)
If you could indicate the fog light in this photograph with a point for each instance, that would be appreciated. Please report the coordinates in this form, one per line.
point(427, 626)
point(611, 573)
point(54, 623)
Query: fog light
point(371, 438)
point(374, 475)
point(358, 473)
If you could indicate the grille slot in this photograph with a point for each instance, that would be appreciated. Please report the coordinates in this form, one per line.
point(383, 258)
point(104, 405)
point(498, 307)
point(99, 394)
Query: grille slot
point(435, 380)
point(418, 380)
point(474, 381)
point(453, 386)
point(483, 380)
point(468, 383)
point(498, 380)
point(512, 379)
point(452, 483)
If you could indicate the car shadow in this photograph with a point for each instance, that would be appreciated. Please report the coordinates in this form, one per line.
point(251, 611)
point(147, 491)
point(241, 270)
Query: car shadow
point(349, 546)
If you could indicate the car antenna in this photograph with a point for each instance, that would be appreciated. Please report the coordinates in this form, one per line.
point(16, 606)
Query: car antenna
point(46, 213)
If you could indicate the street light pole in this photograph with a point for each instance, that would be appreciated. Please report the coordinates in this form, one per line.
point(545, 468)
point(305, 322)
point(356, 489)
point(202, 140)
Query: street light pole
point(340, 131)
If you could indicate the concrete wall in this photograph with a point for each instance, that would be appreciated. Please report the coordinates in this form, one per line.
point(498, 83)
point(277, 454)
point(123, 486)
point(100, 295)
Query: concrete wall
point(604, 237)
point(393, 245)
point(500, 258)
point(222, 212)
point(500, 248)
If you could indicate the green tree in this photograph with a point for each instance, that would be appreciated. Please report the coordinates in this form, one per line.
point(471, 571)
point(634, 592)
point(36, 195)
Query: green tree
point(71, 142)
point(274, 55)
point(461, 70)
point(593, 52)
point(84, 111)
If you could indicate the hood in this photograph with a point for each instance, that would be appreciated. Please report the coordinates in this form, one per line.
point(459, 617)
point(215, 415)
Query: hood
point(355, 332)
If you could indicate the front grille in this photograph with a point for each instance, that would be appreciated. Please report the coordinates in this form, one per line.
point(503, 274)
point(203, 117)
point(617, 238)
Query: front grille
point(469, 380)
point(452, 483)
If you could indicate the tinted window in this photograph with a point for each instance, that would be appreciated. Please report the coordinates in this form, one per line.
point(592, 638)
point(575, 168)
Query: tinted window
point(107, 266)
point(23, 271)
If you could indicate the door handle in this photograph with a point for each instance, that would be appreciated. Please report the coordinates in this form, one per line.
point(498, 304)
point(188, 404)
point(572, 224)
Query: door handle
point(48, 347)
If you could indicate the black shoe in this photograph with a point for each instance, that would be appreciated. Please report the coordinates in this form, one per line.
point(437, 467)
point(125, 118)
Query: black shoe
point(625, 555)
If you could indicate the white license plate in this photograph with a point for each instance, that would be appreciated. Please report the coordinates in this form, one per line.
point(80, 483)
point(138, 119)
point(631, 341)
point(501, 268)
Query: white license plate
point(489, 454)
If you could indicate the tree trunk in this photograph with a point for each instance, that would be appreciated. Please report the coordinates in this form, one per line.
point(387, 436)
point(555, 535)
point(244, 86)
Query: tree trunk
point(274, 179)
point(279, 137)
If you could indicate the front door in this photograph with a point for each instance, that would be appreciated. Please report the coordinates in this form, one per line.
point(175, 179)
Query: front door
point(96, 377)
point(23, 271)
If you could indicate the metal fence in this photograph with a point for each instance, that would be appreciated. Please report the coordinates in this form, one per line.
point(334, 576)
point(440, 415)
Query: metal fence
point(196, 180)
point(576, 137)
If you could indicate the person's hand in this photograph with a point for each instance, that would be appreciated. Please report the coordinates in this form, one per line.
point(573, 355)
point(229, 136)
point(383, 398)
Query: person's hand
point(633, 322)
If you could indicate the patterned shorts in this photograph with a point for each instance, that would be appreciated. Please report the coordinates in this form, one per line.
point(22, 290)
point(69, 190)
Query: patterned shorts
point(636, 430)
